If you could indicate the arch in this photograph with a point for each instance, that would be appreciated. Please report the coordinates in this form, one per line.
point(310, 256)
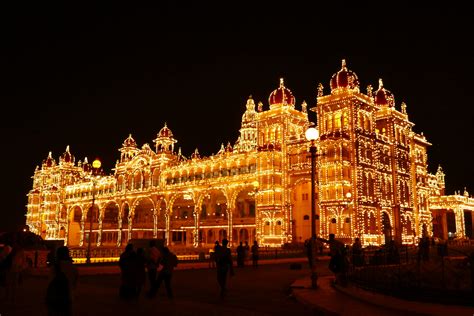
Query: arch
point(244, 203)
point(156, 177)
point(243, 235)
point(386, 226)
point(111, 214)
point(332, 225)
point(137, 180)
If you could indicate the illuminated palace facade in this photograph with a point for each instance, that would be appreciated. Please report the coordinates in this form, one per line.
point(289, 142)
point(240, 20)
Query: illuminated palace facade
point(371, 171)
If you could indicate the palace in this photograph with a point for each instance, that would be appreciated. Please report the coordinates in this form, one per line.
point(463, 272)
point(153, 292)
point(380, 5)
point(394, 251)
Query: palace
point(371, 171)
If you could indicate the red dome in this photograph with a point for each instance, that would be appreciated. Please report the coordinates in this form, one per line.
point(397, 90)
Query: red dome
point(383, 97)
point(67, 157)
point(49, 161)
point(281, 96)
point(165, 132)
point(344, 78)
point(129, 142)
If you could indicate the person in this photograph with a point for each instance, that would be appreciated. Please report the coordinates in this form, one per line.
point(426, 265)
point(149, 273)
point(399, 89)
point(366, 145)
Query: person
point(337, 263)
point(154, 255)
point(169, 262)
point(62, 285)
point(357, 256)
point(312, 246)
point(217, 246)
point(254, 250)
point(246, 251)
point(127, 264)
point(224, 266)
point(140, 269)
point(240, 255)
point(15, 264)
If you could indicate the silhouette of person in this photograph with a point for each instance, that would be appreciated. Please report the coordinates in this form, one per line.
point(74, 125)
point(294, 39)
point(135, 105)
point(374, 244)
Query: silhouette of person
point(224, 266)
point(62, 285)
point(127, 264)
point(337, 264)
point(246, 251)
point(254, 250)
point(168, 261)
point(357, 258)
point(140, 269)
point(15, 264)
point(154, 255)
point(217, 246)
point(240, 255)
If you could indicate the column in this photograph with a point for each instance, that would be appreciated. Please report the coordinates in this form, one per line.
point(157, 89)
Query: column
point(196, 214)
point(460, 228)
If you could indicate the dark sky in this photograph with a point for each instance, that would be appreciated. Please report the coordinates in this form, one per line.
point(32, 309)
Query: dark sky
point(87, 76)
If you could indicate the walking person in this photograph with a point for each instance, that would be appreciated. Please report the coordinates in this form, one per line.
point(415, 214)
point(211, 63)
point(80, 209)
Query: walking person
point(224, 266)
point(15, 265)
point(357, 258)
point(61, 289)
point(154, 255)
point(337, 264)
point(246, 251)
point(168, 261)
point(127, 264)
point(254, 251)
point(240, 255)
point(140, 270)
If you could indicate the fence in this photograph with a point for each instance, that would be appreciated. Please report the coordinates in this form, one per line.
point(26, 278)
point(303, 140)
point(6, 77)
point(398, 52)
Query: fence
point(439, 274)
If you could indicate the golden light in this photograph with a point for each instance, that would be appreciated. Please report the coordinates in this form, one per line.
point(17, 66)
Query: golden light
point(348, 195)
point(96, 164)
point(312, 134)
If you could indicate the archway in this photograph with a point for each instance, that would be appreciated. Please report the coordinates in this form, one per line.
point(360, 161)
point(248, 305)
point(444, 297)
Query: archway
point(182, 219)
point(142, 224)
point(386, 227)
point(110, 224)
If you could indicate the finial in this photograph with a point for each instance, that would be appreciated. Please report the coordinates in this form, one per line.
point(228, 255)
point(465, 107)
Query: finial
point(50, 155)
point(282, 84)
point(369, 90)
point(165, 125)
point(320, 89)
point(85, 160)
point(67, 148)
point(260, 106)
point(343, 64)
point(404, 108)
point(250, 97)
point(304, 106)
point(380, 83)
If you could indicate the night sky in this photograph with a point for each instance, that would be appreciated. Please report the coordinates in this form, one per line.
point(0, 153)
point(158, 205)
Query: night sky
point(87, 76)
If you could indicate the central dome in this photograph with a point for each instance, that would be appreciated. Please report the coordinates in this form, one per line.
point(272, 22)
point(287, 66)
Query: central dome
point(281, 96)
point(344, 78)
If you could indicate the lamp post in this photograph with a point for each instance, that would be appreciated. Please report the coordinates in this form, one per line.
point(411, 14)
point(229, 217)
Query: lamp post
point(312, 135)
point(95, 167)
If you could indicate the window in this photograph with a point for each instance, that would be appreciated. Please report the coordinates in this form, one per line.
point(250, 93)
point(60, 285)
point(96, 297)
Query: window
point(306, 217)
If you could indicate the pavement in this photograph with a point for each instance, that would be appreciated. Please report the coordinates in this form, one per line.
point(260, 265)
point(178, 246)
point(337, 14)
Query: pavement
point(333, 299)
point(327, 299)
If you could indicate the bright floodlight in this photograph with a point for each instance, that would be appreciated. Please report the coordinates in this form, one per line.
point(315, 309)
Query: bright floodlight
point(348, 195)
point(312, 133)
point(96, 164)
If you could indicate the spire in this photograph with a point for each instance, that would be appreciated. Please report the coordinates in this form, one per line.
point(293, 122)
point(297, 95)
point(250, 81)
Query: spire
point(380, 83)
point(404, 108)
point(67, 148)
point(343, 64)
point(85, 160)
point(320, 89)
point(260, 106)
point(304, 105)
point(282, 83)
point(50, 155)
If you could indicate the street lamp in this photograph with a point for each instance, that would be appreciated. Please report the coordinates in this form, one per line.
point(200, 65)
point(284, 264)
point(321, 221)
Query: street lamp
point(312, 134)
point(95, 168)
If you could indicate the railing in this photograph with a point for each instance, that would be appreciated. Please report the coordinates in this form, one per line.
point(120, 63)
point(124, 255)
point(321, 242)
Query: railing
point(442, 274)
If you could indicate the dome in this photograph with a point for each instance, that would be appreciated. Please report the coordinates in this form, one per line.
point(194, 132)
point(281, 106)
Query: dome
point(165, 132)
point(383, 97)
point(344, 78)
point(281, 96)
point(49, 162)
point(67, 157)
point(129, 142)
